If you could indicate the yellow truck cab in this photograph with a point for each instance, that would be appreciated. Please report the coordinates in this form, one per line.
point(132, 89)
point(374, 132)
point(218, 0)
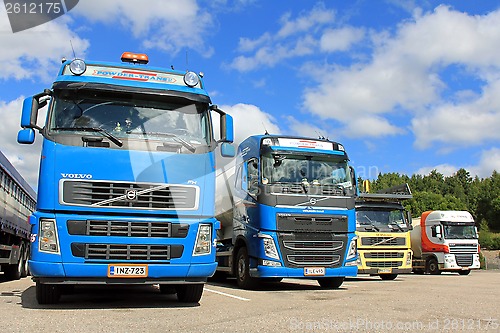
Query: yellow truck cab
point(383, 228)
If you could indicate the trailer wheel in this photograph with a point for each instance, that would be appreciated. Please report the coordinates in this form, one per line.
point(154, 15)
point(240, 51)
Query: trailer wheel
point(47, 293)
point(467, 272)
point(432, 266)
point(331, 282)
point(25, 269)
point(388, 277)
point(189, 293)
point(243, 277)
point(14, 271)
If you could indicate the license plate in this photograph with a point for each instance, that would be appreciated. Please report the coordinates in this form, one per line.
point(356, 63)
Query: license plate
point(314, 271)
point(127, 271)
point(385, 270)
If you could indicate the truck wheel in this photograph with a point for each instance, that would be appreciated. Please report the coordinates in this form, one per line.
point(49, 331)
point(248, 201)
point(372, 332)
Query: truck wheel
point(243, 277)
point(467, 272)
point(47, 293)
point(331, 283)
point(388, 277)
point(189, 293)
point(432, 266)
point(167, 289)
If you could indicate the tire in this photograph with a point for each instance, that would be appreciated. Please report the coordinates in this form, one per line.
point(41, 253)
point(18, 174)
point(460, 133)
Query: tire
point(388, 277)
point(47, 293)
point(331, 283)
point(467, 272)
point(189, 293)
point(243, 278)
point(25, 269)
point(14, 272)
point(432, 266)
point(167, 289)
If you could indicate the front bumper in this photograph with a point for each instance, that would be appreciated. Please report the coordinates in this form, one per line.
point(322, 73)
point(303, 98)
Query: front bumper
point(378, 271)
point(94, 273)
point(287, 272)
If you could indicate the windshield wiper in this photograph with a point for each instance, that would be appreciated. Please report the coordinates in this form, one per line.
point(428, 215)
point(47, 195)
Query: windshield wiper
point(178, 139)
point(370, 223)
point(102, 131)
point(397, 226)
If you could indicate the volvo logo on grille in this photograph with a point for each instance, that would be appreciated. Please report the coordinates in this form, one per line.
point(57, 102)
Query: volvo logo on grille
point(131, 195)
point(312, 201)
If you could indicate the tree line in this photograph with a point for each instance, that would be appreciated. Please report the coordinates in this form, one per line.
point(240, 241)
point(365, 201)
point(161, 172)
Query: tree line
point(479, 196)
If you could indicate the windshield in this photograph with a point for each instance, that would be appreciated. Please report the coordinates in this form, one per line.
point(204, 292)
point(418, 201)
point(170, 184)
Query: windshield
point(381, 220)
point(131, 116)
point(459, 232)
point(315, 170)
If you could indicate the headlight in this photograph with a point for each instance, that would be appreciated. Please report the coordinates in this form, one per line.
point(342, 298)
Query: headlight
point(203, 243)
point(270, 249)
point(191, 79)
point(408, 258)
point(77, 67)
point(48, 237)
point(352, 253)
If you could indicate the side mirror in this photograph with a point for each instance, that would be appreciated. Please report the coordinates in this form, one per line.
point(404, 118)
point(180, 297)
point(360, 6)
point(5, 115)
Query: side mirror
point(439, 231)
point(31, 105)
point(226, 125)
point(26, 136)
point(227, 150)
point(436, 231)
point(353, 180)
point(408, 218)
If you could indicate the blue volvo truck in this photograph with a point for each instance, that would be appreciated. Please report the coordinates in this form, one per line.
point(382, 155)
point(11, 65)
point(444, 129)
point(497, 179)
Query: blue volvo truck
point(286, 206)
point(127, 178)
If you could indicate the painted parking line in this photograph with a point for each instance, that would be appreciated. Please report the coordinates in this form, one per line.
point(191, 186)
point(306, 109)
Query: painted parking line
point(227, 295)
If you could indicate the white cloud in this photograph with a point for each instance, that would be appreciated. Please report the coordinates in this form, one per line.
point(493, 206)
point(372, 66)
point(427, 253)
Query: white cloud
point(250, 120)
point(488, 162)
point(318, 16)
point(340, 39)
point(36, 53)
point(25, 158)
point(405, 75)
point(306, 34)
point(166, 25)
point(462, 124)
point(306, 129)
point(445, 169)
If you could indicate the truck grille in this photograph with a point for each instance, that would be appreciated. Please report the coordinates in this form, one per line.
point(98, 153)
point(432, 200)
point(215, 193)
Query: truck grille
point(311, 223)
point(313, 245)
point(383, 241)
point(314, 259)
point(463, 248)
point(312, 249)
point(129, 195)
point(464, 260)
point(126, 251)
point(382, 264)
point(384, 255)
point(127, 228)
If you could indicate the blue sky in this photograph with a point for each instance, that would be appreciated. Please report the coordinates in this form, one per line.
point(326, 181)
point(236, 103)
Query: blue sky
point(406, 86)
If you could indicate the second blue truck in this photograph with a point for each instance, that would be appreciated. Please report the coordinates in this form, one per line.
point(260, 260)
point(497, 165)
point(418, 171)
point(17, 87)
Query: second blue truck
point(287, 211)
